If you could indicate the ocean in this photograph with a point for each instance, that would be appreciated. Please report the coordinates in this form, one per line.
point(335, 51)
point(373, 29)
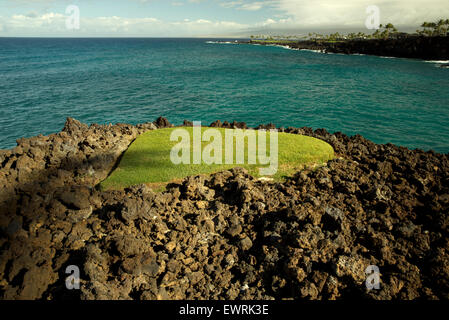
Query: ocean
point(387, 100)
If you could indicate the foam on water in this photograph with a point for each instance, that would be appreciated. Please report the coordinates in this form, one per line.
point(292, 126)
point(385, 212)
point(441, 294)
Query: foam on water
point(221, 42)
point(316, 51)
point(438, 61)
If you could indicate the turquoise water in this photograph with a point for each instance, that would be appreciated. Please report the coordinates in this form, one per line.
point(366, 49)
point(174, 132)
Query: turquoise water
point(43, 81)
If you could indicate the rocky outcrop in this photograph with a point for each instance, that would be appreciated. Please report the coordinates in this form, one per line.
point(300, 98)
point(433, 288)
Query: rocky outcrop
point(227, 236)
point(428, 48)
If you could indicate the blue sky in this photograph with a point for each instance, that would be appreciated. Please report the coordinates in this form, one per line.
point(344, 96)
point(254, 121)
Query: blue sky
point(208, 18)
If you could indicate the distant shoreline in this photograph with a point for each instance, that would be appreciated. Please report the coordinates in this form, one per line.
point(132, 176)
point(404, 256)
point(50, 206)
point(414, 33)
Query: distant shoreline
point(425, 48)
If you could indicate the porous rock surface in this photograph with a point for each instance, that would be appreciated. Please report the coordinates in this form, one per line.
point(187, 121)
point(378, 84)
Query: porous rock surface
point(227, 236)
point(412, 47)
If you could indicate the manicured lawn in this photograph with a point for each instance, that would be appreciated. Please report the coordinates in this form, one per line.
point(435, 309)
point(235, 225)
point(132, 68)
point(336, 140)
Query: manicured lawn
point(148, 161)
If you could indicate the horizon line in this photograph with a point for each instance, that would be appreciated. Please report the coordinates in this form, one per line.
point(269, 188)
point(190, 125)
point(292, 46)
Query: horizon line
point(117, 37)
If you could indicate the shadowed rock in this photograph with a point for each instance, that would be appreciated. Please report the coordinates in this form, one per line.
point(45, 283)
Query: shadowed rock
point(162, 123)
point(224, 236)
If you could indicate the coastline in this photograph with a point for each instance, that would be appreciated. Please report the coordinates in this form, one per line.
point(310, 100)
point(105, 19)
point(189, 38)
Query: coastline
point(424, 48)
point(312, 235)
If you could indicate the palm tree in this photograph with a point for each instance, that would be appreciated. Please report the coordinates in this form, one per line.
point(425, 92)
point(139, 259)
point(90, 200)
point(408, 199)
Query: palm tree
point(439, 26)
point(425, 25)
point(313, 36)
point(446, 23)
point(389, 29)
point(389, 26)
point(432, 25)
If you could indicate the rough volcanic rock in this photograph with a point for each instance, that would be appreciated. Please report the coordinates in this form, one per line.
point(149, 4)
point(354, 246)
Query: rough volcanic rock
point(225, 236)
point(415, 47)
point(216, 124)
point(162, 123)
point(269, 126)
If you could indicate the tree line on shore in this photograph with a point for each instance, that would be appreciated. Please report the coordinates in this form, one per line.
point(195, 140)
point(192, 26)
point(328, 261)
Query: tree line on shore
point(439, 28)
point(432, 29)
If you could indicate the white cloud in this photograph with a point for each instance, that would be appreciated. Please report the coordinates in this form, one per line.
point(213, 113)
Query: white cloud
point(351, 13)
point(230, 4)
point(250, 6)
point(53, 24)
point(253, 6)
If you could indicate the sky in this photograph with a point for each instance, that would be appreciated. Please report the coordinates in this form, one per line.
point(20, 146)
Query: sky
point(207, 18)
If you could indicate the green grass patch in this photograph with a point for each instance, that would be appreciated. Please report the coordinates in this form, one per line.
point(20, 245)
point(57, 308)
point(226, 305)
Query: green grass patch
point(147, 160)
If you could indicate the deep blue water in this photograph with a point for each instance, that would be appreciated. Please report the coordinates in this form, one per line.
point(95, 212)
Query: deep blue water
point(43, 81)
